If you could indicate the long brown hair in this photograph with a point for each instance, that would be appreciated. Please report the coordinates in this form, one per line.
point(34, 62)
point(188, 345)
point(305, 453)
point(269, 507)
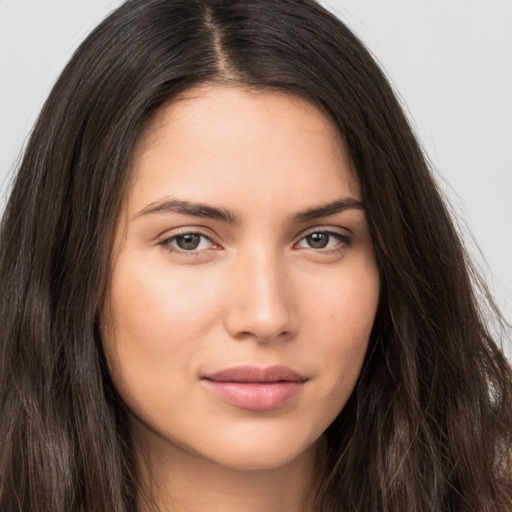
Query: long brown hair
point(429, 425)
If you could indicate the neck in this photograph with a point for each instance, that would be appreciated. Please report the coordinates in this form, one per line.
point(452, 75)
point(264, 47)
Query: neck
point(177, 480)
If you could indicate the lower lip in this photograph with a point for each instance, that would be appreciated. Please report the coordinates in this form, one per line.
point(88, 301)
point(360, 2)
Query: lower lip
point(263, 396)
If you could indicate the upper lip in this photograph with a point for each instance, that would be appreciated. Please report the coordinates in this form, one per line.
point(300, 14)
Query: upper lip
point(249, 373)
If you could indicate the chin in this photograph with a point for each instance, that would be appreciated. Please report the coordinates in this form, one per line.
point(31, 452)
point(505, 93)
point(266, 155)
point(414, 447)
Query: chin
point(261, 451)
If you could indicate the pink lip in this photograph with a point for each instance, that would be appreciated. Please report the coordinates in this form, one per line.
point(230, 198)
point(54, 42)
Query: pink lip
point(254, 388)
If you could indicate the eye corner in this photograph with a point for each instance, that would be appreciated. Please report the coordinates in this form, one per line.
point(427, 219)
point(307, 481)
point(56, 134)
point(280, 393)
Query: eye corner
point(189, 242)
point(330, 242)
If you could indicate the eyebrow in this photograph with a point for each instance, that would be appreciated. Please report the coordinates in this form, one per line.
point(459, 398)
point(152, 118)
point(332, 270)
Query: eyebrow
point(190, 208)
point(338, 206)
point(203, 210)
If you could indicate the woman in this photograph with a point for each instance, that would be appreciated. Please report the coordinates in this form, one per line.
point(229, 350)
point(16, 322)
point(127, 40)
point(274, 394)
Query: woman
point(231, 283)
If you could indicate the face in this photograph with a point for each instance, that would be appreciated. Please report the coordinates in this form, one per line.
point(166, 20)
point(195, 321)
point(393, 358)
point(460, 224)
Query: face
point(244, 283)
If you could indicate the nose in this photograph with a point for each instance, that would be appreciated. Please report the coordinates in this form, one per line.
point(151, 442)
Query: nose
point(261, 303)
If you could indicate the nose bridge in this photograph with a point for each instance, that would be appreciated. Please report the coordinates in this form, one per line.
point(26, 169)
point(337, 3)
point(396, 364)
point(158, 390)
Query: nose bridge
point(261, 303)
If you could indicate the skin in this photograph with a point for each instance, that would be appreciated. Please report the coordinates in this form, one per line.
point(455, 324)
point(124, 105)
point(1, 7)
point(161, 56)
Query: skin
point(254, 291)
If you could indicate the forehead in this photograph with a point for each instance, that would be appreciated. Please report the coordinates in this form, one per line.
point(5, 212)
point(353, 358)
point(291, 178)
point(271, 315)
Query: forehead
point(230, 141)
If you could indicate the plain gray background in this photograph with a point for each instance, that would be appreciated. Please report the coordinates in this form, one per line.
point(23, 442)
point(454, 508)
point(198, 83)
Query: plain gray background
point(450, 60)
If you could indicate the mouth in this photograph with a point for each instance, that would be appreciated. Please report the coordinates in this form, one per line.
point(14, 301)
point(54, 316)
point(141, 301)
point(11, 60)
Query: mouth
point(255, 388)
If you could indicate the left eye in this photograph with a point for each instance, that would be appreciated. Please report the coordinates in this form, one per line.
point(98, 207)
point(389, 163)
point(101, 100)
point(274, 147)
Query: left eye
point(189, 242)
point(321, 240)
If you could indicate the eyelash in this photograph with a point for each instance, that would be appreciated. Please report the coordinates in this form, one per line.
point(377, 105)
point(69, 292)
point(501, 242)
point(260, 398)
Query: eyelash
point(344, 241)
point(166, 243)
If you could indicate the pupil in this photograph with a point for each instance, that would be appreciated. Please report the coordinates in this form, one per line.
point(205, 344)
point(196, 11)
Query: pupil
point(318, 240)
point(188, 242)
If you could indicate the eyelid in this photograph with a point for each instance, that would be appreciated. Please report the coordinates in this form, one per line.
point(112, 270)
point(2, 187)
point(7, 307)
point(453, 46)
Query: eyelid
point(165, 239)
point(330, 230)
point(344, 239)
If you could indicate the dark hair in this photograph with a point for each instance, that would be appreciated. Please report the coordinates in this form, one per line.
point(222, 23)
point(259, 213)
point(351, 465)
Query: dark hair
point(429, 425)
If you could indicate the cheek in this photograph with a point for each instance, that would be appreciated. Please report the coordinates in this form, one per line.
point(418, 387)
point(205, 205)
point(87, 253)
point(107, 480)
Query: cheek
point(344, 307)
point(155, 320)
point(342, 317)
point(149, 302)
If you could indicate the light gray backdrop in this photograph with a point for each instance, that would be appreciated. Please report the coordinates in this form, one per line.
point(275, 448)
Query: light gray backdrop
point(450, 60)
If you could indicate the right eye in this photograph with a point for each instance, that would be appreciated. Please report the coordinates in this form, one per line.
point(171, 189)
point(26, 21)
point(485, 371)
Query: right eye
point(188, 243)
